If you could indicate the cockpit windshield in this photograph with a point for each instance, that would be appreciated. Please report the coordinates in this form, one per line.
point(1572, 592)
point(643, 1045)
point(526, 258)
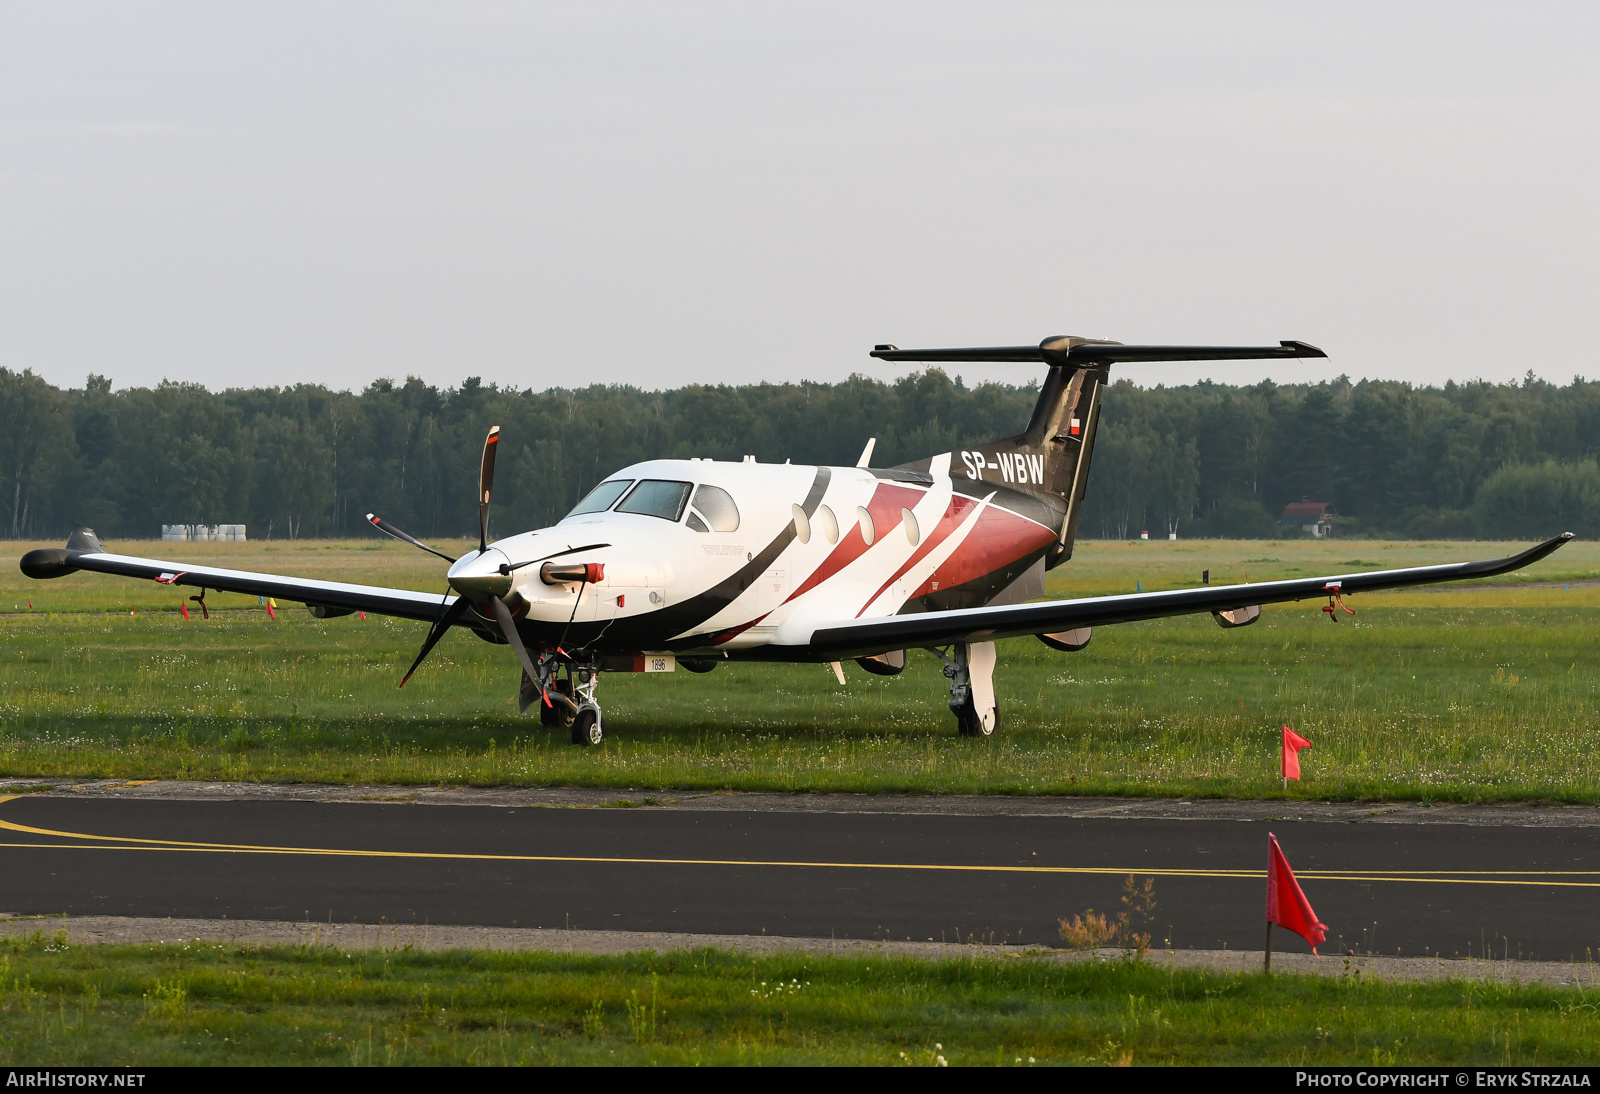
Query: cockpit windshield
point(601, 497)
point(657, 498)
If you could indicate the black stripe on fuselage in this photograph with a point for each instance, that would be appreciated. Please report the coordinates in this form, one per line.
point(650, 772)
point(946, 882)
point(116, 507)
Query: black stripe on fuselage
point(1039, 505)
point(1046, 509)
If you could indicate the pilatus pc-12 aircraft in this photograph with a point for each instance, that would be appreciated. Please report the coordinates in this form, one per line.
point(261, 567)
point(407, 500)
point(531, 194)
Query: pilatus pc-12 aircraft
point(693, 562)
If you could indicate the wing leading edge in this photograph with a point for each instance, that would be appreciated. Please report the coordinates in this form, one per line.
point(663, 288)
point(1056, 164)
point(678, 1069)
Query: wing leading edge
point(83, 552)
point(857, 638)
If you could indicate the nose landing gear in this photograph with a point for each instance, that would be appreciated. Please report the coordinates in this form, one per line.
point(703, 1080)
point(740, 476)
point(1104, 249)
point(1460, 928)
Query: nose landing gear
point(971, 676)
point(572, 703)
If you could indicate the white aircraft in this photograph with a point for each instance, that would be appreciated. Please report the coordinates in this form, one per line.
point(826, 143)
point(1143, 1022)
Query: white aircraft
point(694, 562)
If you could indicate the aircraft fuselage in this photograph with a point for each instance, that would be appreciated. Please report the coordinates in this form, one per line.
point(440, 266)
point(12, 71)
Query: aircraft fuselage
point(805, 545)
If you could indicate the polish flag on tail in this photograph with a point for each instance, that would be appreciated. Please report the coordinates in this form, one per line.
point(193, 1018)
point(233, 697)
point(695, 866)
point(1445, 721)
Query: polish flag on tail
point(1292, 744)
point(1287, 905)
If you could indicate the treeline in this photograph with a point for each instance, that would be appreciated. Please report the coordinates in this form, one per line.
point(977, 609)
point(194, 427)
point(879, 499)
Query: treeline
point(1209, 459)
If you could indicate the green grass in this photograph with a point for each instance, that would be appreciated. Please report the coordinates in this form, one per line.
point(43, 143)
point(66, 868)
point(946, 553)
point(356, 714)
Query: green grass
point(1481, 693)
point(206, 1003)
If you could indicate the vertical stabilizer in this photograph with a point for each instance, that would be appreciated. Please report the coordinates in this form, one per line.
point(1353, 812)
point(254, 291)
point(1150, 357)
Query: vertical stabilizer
point(1048, 464)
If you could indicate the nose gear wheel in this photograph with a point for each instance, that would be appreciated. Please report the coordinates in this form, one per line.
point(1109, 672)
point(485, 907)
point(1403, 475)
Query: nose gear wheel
point(586, 727)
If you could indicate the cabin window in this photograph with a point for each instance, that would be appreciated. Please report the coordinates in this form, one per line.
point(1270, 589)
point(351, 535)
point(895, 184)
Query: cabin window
point(828, 523)
point(657, 498)
point(908, 520)
point(600, 498)
point(713, 505)
point(802, 525)
point(869, 531)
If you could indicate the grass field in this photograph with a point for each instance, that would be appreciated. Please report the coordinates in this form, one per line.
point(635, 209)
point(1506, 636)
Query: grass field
point(227, 1004)
point(1485, 691)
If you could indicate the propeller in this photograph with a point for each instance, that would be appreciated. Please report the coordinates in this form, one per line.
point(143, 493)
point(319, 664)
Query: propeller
point(489, 586)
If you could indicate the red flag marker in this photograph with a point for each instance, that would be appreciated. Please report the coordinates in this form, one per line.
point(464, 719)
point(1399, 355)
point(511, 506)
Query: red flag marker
point(1287, 905)
point(183, 609)
point(1292, 744)
point(363, 616)
point(30, 605)
point(272, 615)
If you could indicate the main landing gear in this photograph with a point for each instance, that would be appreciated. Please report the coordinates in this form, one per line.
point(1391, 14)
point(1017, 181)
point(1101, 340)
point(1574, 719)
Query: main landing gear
point(971, 674)
point(572, 703)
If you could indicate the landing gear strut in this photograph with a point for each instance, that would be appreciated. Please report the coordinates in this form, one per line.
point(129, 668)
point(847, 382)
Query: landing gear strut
point(587, 727)
point(971, 675)
point(558, 715)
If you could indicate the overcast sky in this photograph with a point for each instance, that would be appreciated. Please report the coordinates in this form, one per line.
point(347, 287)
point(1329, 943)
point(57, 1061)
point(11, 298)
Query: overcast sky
point(658, 194)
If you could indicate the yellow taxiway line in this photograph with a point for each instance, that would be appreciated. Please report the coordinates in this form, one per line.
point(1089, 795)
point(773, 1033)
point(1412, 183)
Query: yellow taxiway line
point(1442, 877)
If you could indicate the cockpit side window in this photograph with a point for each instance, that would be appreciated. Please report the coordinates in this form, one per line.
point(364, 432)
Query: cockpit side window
point(600, 498)
point(657, 498)
point(716, 508)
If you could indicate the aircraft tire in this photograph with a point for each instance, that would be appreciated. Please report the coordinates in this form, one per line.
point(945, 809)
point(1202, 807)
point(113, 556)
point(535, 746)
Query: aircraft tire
point(557, 715)
point(586, 729)
point(968, 724)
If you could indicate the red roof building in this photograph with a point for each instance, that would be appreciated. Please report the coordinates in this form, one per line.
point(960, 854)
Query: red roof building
point(1313, 517)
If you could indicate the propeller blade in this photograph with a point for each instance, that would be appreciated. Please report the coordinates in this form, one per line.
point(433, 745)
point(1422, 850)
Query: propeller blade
point(509, 626)
point(486, 484)
point(390, 530)
point(445, 621)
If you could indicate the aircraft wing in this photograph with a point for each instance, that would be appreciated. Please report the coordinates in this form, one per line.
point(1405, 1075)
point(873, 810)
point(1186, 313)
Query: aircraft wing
point(864, 637)
point(83, 552)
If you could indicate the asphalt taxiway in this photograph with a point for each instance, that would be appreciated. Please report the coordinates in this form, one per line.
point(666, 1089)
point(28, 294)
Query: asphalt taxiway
point(1461, 881)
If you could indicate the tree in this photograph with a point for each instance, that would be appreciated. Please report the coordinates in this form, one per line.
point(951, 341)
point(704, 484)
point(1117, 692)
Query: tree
point(1539, 500)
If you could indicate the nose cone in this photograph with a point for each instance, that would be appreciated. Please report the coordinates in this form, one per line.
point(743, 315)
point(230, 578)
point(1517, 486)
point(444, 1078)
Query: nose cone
point(477, 576)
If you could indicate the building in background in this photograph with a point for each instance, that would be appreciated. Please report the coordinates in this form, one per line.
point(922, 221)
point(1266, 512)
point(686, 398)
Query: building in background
point(1314, 518)
point(223, 533)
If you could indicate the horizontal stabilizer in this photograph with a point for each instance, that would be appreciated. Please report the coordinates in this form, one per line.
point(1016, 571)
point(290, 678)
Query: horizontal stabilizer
point(1088, 352)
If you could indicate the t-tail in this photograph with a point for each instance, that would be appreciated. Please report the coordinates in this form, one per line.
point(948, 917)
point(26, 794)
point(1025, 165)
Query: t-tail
point(1049, 461)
